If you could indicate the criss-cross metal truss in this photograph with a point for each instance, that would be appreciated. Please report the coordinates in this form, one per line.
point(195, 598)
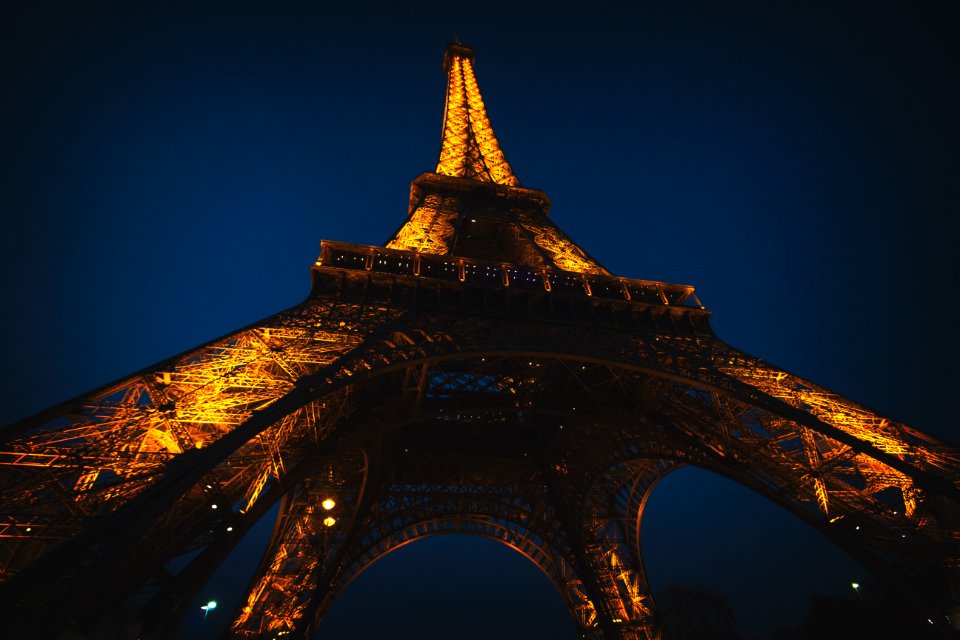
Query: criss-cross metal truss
point(469, 149)
point(480, 374)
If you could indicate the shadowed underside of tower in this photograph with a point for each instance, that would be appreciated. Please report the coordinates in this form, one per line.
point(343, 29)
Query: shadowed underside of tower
point(479, 373)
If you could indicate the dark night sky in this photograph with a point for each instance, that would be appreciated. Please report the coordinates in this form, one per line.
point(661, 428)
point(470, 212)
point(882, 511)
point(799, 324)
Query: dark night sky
point(168, 173)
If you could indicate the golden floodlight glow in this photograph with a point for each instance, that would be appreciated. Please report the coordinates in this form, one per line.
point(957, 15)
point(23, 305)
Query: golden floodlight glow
point(469, 148)
point(328, 504)
point(329, 521)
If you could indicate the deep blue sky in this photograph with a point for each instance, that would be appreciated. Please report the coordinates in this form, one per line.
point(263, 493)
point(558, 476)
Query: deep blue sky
point(168, 173)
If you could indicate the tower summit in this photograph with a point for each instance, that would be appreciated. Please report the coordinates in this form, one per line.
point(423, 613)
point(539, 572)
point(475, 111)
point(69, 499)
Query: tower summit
point(469, 148)
point(480, 374)
point(473, 205)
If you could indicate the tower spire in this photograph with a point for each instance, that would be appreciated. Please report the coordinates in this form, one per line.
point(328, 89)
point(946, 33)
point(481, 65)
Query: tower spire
point(469, 148)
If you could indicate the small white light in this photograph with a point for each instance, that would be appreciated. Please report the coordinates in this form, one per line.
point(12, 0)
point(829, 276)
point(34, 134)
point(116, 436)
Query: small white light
point(213, 506)
point(229, 529)
point(855, 585)
point(29, 529)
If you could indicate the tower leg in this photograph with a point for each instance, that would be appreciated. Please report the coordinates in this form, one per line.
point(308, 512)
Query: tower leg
point(581, 550)
point(611, 534)
point(317, 523)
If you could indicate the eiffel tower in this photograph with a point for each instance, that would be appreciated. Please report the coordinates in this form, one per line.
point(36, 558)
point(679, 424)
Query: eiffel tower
point(479, 373)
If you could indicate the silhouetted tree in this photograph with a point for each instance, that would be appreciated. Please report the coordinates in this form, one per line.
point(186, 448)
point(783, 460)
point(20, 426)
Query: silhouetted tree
point(696, 613)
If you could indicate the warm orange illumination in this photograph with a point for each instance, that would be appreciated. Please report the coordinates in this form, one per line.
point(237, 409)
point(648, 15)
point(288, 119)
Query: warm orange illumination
point(328, 504)
point(429, 228)
point(329, 521)
point(469, 148)
point(563, 251)
point(127, 432)
point(848, 417)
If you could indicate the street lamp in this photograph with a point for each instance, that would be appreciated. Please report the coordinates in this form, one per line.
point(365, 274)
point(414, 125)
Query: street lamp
point(207, 608)
point(856, 587)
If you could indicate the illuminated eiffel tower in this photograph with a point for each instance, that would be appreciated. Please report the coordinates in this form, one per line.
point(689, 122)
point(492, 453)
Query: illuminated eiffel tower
point(479, 373)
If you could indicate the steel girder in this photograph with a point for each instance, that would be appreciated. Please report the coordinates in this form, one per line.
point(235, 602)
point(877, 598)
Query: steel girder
point(618, 397)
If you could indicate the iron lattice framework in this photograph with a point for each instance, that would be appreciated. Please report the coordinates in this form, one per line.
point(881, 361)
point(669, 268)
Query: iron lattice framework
point(480, 374)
